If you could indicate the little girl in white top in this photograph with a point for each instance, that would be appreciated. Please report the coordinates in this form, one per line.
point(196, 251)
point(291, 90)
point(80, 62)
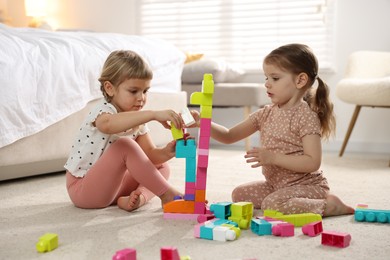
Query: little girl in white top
point(113, 159)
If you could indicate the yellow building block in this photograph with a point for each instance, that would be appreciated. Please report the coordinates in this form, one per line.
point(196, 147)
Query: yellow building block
point(298, 220)
point(206, 111)
point(176, 133)
point(47, 242)
point(241, 213)
point(208, 84)
point(200, 98)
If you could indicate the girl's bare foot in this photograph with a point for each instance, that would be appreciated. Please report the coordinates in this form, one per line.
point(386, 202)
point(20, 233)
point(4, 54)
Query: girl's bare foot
point(169, 195)
point(132, 202)
point(335, 207)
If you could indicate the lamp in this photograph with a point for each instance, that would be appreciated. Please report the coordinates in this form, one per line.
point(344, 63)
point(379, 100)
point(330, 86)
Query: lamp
point(37, 9)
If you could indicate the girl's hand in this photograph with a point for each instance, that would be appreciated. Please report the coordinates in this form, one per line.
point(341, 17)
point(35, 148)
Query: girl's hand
point(170, 149)
point(165, 116)
point(196, 115)
point(259, 157)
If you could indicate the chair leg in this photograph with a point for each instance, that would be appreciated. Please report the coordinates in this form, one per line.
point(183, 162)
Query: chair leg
point(350, 128)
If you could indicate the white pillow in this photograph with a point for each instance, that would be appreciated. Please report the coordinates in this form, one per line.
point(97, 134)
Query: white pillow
point(222, 71)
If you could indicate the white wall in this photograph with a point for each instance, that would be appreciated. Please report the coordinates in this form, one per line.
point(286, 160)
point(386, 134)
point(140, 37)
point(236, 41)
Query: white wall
point(360, 24)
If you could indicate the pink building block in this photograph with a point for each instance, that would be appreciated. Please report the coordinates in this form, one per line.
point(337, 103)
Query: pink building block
point(125, 254)
point(200, 207)
point(205, 127)
point(205, 217)
point(204, 143)
point(312, 229)
point(203, 161)
point(169, 253)
point(331, 238)
point(283, 230)
point(201, 178)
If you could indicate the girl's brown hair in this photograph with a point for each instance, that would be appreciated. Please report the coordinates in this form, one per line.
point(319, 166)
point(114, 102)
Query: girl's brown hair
point(122, 65)
point(298, 58)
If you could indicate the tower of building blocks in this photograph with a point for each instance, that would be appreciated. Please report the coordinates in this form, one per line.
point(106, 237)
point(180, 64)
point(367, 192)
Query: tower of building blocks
point(48, 242)
point(194, 200)
point(372, 215)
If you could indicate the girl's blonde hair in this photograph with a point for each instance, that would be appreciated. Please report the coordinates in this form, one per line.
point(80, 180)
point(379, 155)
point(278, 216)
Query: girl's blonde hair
point(122, 65)
point(298, 58)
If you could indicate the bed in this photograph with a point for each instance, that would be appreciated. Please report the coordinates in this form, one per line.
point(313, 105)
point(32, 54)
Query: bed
point(49, 82)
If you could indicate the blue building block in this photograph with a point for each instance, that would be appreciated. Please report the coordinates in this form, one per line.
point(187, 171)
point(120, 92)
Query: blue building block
point(221, 209)
point(185, 148)
point(261, 227)
point(372, 215)
point(190, 169)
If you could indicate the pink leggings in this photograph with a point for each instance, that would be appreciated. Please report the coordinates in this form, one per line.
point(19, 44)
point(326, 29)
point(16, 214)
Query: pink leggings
point(122, 168)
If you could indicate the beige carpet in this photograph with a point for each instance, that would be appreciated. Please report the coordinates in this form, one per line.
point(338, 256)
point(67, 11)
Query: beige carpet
point(31, 207)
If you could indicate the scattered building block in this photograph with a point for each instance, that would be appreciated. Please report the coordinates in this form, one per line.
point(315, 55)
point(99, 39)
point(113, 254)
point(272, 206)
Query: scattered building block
point(372, 215)
point(298, 220)
point(221, 209)
point(205, 217)
point(125, 254)
point(241, 213)
point(223, 233)
point(283, 230)
point(48, 242)
point(330, 238)
point(169, 253)
point(261, 227)
point(312, 229)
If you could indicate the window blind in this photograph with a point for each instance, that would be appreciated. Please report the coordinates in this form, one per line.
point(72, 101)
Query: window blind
point(240, 31)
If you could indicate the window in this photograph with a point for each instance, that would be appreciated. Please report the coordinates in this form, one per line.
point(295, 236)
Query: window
point(240, 31)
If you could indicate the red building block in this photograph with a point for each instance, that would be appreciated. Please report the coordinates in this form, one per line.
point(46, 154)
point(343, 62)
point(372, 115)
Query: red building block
point(125, 254)
point(330, 238)
point(169, 253)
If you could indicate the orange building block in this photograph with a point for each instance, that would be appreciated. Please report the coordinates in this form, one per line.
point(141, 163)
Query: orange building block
point(179, 206)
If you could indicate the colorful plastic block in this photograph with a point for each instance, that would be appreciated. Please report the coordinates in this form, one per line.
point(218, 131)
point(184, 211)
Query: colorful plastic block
point(330, 238)
point(205, 217)
point(221, 209)
point(206, 111)
point(261, 227)
point(298, 220)
point(241, 213)
point(169, 253)
point(223, 233)
point(125, 254)
point(176, 133)
point(188, 119)
point(48, 242)
point(372, 215)
point(283, 230)
point(312, 229)
point(208, 84)
point(185, 148)
point(179, 206)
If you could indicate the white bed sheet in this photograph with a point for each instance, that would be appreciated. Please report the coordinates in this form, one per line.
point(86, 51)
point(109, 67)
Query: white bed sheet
point(46, 76)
